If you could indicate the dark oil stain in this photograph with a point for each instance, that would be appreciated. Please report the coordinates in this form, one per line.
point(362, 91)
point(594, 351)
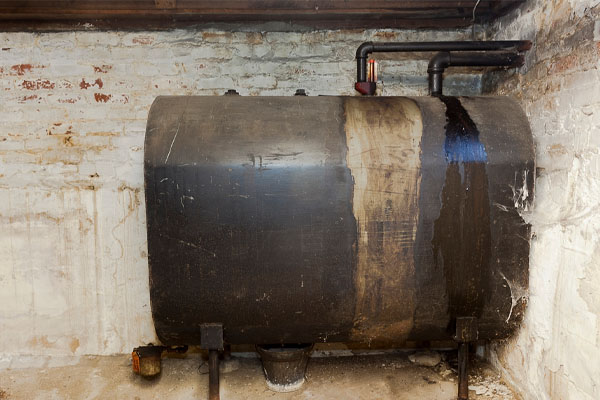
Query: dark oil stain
point(462, 235)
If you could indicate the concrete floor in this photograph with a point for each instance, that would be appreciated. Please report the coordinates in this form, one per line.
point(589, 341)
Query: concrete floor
point(384, 376)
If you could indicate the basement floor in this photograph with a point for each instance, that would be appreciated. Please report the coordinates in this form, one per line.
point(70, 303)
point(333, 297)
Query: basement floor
point(379, 376)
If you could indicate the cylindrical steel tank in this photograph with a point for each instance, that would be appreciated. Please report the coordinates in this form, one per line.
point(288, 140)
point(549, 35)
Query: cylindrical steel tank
point(339, 219)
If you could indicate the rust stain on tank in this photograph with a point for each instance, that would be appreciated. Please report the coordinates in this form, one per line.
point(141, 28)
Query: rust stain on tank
point(74, 344)
point(28, 98)
point(383, 136)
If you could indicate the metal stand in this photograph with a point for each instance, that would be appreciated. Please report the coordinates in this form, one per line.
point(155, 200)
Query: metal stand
point(213, 375)
point(463, 373)
point(466, 332)
point(212, 340)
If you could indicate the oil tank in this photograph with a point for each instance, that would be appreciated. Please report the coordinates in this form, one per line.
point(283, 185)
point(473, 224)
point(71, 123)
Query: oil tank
point(300, 219)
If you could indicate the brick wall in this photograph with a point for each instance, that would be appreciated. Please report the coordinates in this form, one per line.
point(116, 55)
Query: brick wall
point(73, 108)
point(555, 355)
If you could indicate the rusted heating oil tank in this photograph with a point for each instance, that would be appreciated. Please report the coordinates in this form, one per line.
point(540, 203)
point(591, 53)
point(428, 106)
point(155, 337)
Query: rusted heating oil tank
point(302, 219)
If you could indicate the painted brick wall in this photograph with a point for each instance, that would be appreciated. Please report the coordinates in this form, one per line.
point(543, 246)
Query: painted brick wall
point(556, 354)
point(73, 108)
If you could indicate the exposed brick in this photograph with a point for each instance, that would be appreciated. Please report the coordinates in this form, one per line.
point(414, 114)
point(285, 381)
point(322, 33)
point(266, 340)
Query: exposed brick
point(37, 84)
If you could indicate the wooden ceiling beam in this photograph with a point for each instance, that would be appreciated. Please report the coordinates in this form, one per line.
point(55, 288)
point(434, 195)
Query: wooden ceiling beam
point(169, 13)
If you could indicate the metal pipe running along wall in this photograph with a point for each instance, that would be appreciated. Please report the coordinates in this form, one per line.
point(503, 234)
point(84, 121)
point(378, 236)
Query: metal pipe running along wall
point(444, 59)
point(367, 48)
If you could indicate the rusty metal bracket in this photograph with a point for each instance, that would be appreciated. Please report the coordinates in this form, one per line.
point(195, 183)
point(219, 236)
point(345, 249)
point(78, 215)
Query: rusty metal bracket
point(211, 336)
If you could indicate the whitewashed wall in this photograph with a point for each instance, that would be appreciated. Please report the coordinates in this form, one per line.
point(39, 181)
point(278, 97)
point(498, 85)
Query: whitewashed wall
point(73, 108)
point(557, 352)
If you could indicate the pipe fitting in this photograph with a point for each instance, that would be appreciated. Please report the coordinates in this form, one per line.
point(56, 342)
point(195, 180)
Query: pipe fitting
point(442, 60)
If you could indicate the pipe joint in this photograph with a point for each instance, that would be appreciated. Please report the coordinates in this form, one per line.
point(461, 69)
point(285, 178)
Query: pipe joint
point(439, 62)
point(364, 50)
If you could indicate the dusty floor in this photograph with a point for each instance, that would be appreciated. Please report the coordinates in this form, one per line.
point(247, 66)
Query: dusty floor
point(387, 376)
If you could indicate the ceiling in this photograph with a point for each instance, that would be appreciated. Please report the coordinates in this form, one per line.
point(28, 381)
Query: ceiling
point(165, 14)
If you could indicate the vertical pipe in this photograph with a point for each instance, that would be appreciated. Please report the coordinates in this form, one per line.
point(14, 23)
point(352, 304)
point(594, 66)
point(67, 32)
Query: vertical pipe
point(436, 83)
point(213, 375)
point(361, 69)
point(463, 373)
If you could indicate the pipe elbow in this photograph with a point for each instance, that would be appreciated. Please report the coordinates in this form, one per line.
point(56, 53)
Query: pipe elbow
point(364, 50)
point(439, 62)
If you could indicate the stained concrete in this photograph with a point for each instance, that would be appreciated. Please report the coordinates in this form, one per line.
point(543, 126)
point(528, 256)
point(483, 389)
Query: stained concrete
point(384, 376)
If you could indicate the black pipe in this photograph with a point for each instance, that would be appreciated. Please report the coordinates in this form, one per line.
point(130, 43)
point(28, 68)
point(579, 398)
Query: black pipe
point(367, 48)
point(445, 59)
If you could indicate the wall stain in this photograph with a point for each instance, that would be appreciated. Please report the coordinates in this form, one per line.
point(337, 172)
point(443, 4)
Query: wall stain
point(22, 69)
point(74, 345)
point(37, 84)
point(101, 98)
point(84, 85)
point(41, 341)
point(102, 68)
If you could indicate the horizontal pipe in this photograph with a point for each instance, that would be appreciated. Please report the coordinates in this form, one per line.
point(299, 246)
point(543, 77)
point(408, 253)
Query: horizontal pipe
point(367, 48)
point(445, 59)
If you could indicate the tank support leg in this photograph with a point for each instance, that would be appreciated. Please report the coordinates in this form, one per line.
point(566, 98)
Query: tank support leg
point(463, 372)
point(466, 332)
point(213, 375)
point(211, 339)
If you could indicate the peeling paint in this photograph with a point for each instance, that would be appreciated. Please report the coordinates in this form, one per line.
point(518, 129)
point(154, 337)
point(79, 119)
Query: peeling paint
point(101, 98)
point(84, 85)
point(38, 84)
